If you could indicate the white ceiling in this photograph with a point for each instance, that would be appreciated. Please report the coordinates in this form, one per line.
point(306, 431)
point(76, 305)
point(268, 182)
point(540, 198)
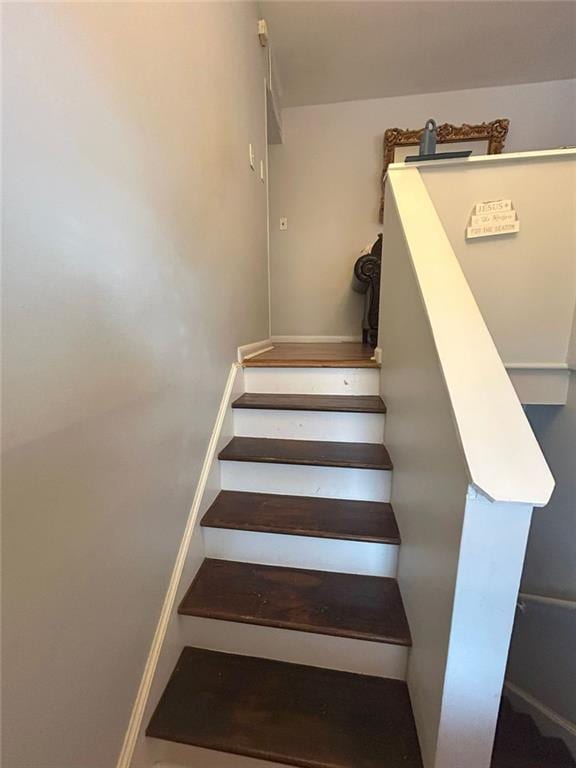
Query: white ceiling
point(339, 51)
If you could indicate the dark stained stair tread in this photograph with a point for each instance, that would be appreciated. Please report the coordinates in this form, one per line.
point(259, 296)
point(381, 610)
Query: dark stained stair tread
point(304, 516)
point(344, 362)
point(316, 355)
point(339, 604)
point(555, 753)
point(287, 713)
point(309, 452)
point(520, 744)
point(336, 403)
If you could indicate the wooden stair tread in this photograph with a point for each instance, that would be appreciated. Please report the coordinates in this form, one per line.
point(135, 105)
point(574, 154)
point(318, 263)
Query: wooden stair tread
point(316, 355)
point(520, 744)
point(338, 604)
point(342, 363)
point(309, 452)
point(334, 403)
point(287, 713)
point(304, 516)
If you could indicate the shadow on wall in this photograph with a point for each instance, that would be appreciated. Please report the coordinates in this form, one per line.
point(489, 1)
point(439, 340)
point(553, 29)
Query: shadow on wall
point(118, 344)
point(542, 662)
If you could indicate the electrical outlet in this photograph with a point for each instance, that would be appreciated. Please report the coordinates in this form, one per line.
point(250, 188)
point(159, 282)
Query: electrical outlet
point(283, 223)
point(251, 156)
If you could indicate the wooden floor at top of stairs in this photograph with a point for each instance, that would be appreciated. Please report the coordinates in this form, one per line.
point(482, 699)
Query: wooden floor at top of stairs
point(334, 403)
point(317, 453)
point(287, 713)
point(323, 602)
point(320, 355)
point(304, 516)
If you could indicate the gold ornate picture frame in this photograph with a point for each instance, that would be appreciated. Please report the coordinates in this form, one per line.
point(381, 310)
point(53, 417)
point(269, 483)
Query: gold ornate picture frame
point(494, 133)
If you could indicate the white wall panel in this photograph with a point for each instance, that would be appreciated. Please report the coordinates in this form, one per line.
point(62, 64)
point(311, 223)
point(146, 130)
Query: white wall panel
point(328, 482)
point(346, 654)
point(370, 558)
point(310, 425)
point(313, 381)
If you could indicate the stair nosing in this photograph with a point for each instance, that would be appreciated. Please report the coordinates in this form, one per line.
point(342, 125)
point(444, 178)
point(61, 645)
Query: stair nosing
point(311, 534)
point(345, 364)
point(251, 753)
point(349, 635)
point(338, 407)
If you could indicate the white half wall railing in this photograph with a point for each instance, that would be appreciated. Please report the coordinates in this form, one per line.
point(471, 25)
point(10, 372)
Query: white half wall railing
point(524, 283)
point(467, 473)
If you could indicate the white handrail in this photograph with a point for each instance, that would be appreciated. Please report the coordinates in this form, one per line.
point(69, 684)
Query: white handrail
point(538, 155)
point(503, 458)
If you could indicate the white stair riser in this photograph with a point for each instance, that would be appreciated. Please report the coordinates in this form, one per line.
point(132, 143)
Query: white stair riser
point(345, 654)
point(313, 381)
point(326, 482)
point(168, 754)
point(369, 558)
point(310, 425)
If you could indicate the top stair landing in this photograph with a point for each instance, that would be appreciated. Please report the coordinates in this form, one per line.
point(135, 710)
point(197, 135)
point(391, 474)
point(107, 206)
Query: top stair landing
point(315, 355)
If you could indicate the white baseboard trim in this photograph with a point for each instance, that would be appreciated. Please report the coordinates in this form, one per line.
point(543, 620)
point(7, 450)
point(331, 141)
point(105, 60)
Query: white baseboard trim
point(255, 348)
point(549, 722)
point(169, 605)
point(313, 339)
point(536, 366)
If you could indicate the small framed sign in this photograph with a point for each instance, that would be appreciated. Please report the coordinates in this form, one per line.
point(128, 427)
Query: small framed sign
point(492, 218)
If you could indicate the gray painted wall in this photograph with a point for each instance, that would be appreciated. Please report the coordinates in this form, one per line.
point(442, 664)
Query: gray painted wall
point(135, 264)
point(550, 567)
point(542, 659)
point(326, 180)
point(525, 285)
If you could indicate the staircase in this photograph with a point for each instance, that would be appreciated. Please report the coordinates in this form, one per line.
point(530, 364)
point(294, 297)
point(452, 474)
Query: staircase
point(519, 743)
point(297, 636)
point(300, 634)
